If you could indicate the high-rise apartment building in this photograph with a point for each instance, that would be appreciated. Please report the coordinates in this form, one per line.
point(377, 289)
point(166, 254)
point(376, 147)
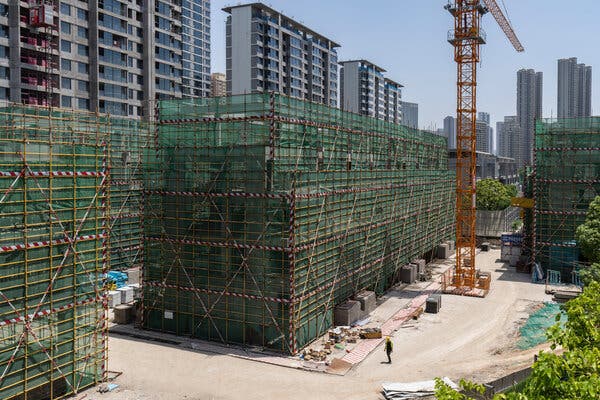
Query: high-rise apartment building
point(508, 133)
point(393, 101)
point(410, 114)
point(218, 84)
point(195, 43)
point(529, 108)
point(482, 130)
point(574, 89)
point(450, 131)
point(112, 56)
point(268, 51)
point(364, 90)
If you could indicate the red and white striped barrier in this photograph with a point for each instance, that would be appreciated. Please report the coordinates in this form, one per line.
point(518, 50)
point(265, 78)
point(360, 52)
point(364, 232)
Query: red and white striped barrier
point(15, 174)
point(218, 244)
point(31, 245)
point(217, 292)
point(43, 313)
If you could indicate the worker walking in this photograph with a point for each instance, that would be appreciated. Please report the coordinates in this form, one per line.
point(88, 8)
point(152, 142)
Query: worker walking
point(389, 347)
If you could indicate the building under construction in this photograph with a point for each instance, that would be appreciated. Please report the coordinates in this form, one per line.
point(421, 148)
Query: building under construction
point(262, 213)
point(565, 181)
point(54, 230)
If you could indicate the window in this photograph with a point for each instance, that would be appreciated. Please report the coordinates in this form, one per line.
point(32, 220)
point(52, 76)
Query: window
point(82, 50)
point(83, 86)
point(65, 46)
point(4, 52)
point(65, 64)
point(83, 104)
point(65, 9)
point(66, 84)
point(82, 32)
point(65, 27)
point(82, 68)
point(66, 101)
point(4, 73)
point(82, 14)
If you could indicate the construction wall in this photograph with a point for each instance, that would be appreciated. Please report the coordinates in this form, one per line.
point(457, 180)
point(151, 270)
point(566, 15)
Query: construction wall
point(565, 181)
point(53, 251)
point(262, 213)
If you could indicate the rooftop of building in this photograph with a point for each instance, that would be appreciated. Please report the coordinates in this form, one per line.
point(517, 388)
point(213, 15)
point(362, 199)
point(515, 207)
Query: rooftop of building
point(366, 63)
point(298, 25)
point(392, 82)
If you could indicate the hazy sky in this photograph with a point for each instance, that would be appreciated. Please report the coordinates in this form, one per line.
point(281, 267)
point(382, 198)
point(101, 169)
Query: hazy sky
point(408, 39)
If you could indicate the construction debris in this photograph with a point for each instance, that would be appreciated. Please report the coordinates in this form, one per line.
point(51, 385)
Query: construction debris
point(413, 390)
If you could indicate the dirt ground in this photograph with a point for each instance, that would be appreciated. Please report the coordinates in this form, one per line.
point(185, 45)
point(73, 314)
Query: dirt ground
point(470, 337)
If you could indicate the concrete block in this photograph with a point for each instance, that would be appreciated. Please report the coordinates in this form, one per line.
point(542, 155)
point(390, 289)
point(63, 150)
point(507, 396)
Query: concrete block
point(432, 305)
point(420, 265)
point(408, 273)
point(485, 246)
point(126, 294)
point(451, 245)
point(114, 298)
point(347, 313)
point(133, 275)
point(368, 301)
point(123, 314)
point(137, 289)
point(443, 251)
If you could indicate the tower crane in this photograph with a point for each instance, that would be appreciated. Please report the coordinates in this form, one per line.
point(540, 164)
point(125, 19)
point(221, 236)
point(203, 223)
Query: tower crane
point(467, 37)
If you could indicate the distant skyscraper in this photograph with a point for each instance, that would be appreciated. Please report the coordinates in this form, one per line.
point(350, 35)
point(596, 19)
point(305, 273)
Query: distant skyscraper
point(482, 130)
point(410, 114)
point(484, 117)
point(268, 51)
point(364, 90)
point(529, 108)
point(450, 131)
point(218, 85)
point(574, 89)
point(507, 133)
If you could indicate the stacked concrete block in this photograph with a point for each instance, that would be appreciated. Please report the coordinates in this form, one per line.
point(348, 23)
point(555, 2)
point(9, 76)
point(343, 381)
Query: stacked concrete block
point(443, 251)
point(347, 313)
point(123, 314)
point(133, 275)
point(408, 273)
point(420, 263)
point(126, 294)
point(114, 298)
point(137, 290)
point(368, 301)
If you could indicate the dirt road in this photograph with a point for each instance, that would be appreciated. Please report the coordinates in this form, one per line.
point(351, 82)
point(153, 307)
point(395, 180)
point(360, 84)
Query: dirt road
point(470, 337)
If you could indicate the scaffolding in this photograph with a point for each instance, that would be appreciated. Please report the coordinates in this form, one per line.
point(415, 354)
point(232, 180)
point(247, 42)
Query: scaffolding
point(566, 179)
point(54, 201)
point(127, 138)
point(263, 212)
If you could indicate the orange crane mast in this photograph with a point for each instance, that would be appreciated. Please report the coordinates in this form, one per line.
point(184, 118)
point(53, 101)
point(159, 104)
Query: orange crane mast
point(467, 37)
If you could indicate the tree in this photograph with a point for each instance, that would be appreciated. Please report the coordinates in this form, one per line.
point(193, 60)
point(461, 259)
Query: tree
point(588, 240)
point(492, 195)
point(588, 233)
point(574, 374)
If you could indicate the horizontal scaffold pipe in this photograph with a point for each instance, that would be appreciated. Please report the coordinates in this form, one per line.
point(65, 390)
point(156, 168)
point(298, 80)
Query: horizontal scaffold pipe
point(44, 243)
point(218, 292)
point(44, 313)
point(586, 181)
point(294, 121)
point(51, 173)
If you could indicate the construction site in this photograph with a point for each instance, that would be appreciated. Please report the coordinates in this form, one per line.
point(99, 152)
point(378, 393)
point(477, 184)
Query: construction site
point(261, 245)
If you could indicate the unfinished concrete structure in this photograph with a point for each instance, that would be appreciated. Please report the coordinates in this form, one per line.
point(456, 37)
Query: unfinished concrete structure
point(263, 212)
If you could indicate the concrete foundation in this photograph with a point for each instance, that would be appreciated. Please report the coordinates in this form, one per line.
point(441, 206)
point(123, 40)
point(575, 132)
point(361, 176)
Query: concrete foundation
point(408, 273)
point(347, 313)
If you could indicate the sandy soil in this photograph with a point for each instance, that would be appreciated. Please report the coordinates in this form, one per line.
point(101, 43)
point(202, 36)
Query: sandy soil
point(470, 337)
